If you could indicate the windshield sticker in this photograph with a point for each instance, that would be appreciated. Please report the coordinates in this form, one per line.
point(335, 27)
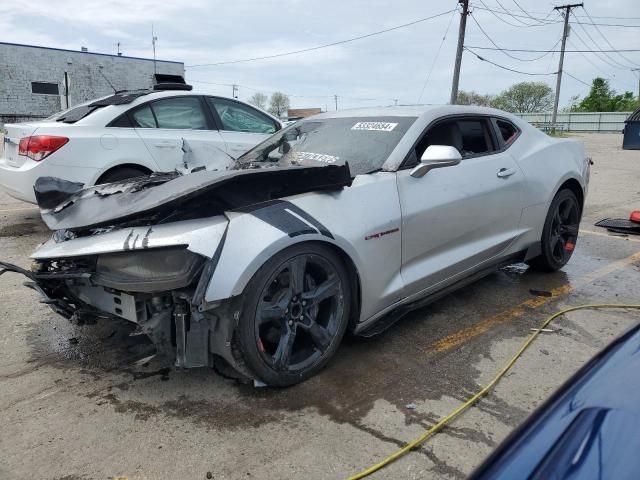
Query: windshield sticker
point(318, 157)
point(375, 126)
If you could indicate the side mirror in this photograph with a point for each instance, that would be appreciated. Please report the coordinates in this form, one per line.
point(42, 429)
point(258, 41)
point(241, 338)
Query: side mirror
point(436, 156)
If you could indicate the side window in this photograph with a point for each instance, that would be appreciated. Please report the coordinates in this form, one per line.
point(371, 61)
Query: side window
point(507, 131)
point(237, 117)
point(470, 136)
point(121, 122)
point(184, 113)
point(143, 117)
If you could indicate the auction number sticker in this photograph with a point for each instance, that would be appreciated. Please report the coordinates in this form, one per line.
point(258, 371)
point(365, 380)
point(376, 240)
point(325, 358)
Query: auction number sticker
point(318, 157)
point(375, 126)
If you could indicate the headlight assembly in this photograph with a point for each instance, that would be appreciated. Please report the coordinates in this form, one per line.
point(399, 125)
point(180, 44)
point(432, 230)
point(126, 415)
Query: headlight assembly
point(147, 270)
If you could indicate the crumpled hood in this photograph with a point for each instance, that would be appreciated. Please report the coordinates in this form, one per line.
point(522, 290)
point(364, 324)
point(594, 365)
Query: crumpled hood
point(162, 198)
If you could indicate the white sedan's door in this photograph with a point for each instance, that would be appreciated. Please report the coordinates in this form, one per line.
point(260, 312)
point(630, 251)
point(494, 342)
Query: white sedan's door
point(454, 218)
point(163, 124)
point(241, 126)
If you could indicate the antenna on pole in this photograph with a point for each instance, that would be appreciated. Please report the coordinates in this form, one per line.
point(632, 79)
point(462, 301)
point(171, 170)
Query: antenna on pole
point(153, 43)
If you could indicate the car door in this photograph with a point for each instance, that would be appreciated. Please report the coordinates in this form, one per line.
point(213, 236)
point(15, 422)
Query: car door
point(166, 124)
point(455, 218)
point(241, 126)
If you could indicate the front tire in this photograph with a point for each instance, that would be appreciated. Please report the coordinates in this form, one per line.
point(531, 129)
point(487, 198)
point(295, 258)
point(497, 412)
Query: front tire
point(560, 232)
point(295, 313)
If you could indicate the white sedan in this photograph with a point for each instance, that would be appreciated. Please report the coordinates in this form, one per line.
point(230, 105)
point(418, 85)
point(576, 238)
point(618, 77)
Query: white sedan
point(129, 134)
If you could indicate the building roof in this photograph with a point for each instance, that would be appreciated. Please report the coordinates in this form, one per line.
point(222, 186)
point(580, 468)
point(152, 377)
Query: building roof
point(89, 53)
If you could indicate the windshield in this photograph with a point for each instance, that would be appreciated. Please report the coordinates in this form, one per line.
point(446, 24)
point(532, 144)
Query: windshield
point(364, 143)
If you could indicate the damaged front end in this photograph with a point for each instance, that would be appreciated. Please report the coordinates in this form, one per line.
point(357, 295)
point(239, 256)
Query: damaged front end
point(145, 250)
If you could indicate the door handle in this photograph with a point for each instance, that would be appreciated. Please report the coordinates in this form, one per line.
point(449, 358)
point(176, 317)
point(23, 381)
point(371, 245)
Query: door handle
point(165, 145)
point(505, 172)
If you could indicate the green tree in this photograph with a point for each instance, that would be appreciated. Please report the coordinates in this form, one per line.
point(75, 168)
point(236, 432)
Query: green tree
point(474, 98)
point(525, 97)
point(602, 98)
point(259, 100)
point(279, 104)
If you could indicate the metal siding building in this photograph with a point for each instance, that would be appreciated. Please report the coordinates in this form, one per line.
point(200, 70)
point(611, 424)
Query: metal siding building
point(33, 79)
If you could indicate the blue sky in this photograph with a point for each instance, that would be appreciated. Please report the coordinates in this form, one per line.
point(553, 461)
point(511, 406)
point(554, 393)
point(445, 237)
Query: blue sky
point(373, 71)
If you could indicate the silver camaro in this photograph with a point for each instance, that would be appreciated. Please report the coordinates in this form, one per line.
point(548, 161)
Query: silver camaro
point(342, 221)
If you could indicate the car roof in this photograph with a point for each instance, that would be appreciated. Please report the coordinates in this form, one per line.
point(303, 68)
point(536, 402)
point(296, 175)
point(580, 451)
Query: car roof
point(104, 115)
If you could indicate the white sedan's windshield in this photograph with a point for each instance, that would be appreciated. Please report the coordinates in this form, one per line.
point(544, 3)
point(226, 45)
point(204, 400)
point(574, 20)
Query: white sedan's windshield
point(363, 142)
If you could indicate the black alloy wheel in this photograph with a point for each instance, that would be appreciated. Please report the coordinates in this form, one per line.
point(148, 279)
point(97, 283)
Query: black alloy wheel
point(560, 232)
point(298, 309)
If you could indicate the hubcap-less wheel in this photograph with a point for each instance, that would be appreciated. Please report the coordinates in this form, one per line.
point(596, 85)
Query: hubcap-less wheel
point(299, 313)
point(564, 230)
point(559, 234)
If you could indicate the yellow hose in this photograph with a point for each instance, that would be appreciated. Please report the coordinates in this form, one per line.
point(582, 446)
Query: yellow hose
point(438, 426)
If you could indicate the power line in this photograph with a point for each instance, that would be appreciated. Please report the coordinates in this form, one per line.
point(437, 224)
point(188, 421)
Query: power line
point(506, 51)
point(615, 63)
point(332, 44)
point(577, 79)
point(433, 64)
point(496, 15)
point(529, 50)
point(594, 16)
point(515, 16)
point(527, 13)
point(506, 68)
point(607, 40)
point(545, 22)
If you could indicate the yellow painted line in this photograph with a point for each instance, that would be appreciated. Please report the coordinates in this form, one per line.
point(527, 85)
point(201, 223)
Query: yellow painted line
point(615, 237)
point(32, 209)
point(458, 338)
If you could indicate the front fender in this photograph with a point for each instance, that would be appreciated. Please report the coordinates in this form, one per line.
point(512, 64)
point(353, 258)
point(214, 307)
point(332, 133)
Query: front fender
point(272, 227)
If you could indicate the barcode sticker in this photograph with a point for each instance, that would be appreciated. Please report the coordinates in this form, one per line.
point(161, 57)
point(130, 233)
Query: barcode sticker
point(375, 126)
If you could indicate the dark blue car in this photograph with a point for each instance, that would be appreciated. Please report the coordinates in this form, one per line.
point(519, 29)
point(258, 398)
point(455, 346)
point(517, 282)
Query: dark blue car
point(589, 429)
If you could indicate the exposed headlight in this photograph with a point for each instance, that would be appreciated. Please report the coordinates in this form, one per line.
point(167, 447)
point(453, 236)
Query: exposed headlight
point(147, 270)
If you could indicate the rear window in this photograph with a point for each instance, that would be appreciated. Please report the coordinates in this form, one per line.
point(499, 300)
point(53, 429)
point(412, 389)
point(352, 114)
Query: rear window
point(507, 131)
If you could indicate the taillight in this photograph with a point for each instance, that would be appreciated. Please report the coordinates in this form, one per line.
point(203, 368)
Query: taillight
point(40, 147)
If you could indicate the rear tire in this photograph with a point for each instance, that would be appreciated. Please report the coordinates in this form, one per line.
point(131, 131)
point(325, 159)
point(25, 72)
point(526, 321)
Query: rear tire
point(121, 173)
point(295, 313)
point(560, 233)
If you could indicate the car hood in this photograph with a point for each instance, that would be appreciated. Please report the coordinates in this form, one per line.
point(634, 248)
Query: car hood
point(164, 198)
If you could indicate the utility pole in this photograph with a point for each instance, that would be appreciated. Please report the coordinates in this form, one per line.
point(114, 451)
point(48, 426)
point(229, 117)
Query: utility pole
point(153, 43)
point(335, 97)
point(565, 32)
point(456, 68)
point(234, 93)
